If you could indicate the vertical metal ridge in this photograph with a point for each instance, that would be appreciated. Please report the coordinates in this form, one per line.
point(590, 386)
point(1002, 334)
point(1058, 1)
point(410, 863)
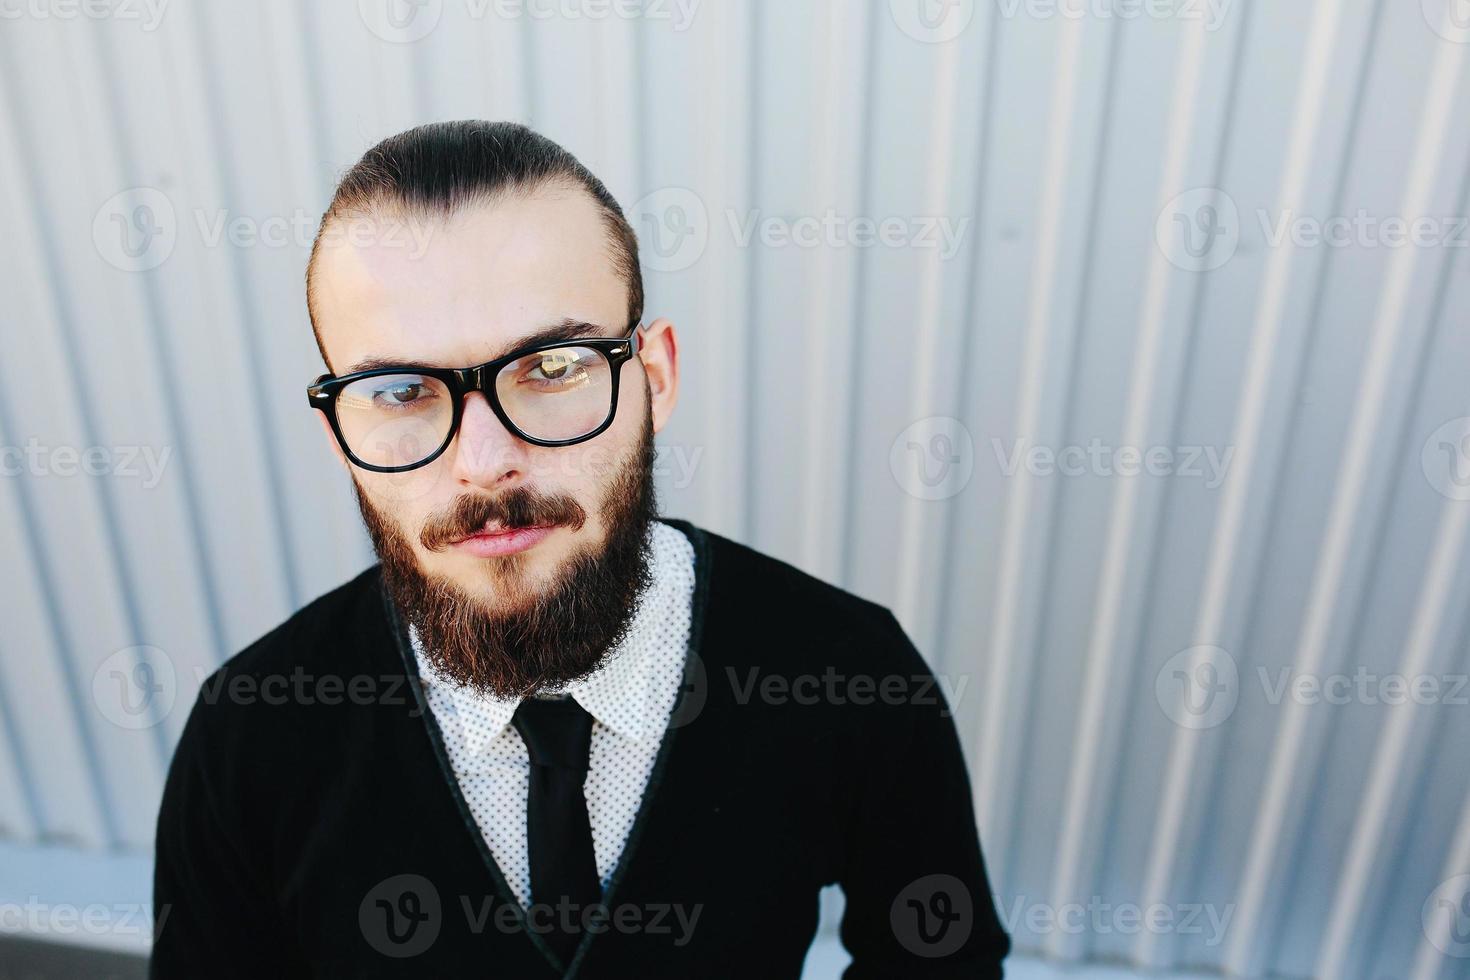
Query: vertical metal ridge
point(1291, 738)
point(229, 180)
point(842, 564)
point(1237, 486)
point(1429, 959)
point(721, 303)
point(1365, 842)
point(1103, 642)
point(27, 803)
point(1274, 494)
point(972, 327)
point(156, 315)
point(916, 513)
point(997, 757)
point(746, 527)
point(819, 518)
point(14, 119)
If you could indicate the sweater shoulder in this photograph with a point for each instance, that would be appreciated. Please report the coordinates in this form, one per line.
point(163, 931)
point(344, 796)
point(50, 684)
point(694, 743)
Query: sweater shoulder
point(761, 595)
point(259, 695)
point(311, 637)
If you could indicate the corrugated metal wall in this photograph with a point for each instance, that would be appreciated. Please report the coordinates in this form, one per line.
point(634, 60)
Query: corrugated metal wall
point(1082, 333)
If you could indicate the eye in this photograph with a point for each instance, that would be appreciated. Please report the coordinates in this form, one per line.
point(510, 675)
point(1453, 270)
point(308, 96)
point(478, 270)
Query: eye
point(402, 392)
point(561, 366)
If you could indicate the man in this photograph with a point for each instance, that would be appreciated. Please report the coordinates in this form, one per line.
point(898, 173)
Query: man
point(550, 734)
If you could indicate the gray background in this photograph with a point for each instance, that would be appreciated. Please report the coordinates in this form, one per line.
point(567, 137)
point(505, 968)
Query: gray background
point(1113, 179)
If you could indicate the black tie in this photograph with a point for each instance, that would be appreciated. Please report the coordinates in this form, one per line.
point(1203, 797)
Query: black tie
point(558, 736)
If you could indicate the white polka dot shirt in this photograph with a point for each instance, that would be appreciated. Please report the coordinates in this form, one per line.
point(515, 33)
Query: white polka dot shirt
point(630, 699)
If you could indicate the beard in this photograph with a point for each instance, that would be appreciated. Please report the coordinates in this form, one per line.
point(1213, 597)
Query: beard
point(526, 639)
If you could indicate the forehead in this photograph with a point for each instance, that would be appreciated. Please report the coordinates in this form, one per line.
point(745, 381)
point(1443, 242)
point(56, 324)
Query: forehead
point(458, 291)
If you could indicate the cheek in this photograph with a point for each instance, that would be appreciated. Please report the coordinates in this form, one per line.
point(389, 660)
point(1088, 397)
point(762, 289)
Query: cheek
point(408, 499)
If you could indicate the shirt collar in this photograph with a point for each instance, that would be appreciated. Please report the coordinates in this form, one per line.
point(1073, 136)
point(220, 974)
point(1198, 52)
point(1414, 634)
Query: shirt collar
point(615, 695)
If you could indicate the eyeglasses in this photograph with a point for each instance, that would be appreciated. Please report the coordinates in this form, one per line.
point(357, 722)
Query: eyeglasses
point(554, 393)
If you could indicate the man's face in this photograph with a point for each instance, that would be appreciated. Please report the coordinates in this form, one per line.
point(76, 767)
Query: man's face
point(489, 281)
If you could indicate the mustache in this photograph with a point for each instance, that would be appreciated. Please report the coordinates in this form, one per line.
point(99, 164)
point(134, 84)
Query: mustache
point(521, 507)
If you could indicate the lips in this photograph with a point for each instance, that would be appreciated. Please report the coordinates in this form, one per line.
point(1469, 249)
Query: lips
point(494, 540)
point(494, 528)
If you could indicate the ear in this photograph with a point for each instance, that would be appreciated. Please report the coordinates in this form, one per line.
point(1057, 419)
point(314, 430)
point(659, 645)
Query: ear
point(659, 352)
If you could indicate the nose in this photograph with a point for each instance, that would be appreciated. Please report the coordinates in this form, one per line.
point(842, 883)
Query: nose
point(486, 454)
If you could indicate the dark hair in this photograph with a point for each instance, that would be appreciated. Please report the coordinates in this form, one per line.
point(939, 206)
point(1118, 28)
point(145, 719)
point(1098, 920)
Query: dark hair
point(435, 170)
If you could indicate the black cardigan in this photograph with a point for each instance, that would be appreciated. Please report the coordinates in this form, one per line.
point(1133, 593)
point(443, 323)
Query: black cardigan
point(311, 825)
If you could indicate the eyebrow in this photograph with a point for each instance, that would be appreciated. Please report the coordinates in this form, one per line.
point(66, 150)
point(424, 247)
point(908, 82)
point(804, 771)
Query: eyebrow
point(565, 329)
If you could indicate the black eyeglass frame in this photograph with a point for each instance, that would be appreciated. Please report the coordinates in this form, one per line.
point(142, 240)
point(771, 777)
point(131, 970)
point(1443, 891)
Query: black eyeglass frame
point(322, 393)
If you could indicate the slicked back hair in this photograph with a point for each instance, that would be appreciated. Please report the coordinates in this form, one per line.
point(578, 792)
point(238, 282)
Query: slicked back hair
point(437, 170)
